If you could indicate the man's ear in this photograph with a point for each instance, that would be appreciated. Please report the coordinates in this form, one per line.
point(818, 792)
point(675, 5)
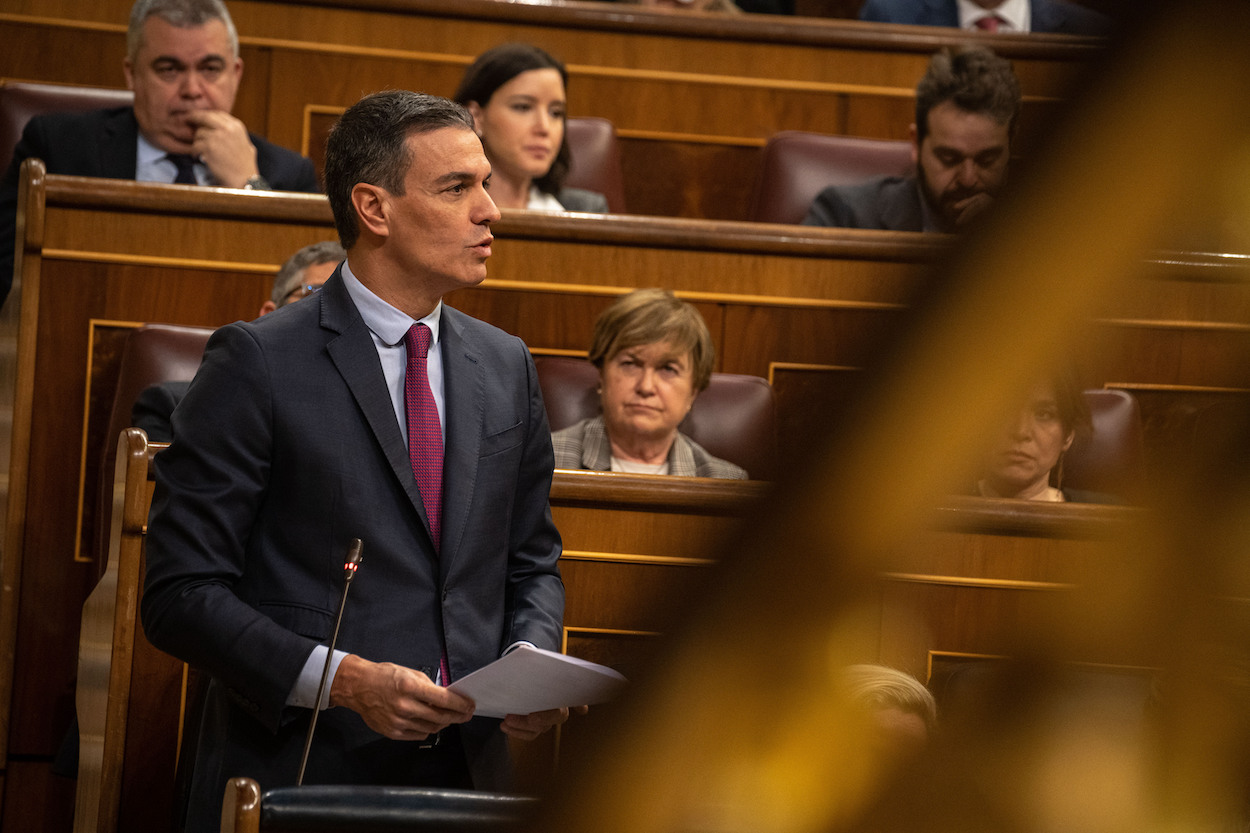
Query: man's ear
point(912, 133)
point(129, 71)
point(372, 204)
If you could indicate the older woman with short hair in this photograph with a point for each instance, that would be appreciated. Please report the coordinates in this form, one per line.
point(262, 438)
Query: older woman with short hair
point(654, 355)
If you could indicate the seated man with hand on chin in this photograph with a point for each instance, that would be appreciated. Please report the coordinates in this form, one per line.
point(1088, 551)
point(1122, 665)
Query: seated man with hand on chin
point(967, 104)
point(183, 64)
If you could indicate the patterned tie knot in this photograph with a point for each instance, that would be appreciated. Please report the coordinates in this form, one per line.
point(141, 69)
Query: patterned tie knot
point(417, 339)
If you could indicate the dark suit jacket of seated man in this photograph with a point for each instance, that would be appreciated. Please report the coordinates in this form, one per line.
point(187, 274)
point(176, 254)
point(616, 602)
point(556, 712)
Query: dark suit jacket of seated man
point(184, 67)
point(292, 440)
point(1050, 16)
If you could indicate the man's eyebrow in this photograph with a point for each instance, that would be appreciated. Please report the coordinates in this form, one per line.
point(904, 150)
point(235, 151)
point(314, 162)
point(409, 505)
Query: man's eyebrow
point(455, 176)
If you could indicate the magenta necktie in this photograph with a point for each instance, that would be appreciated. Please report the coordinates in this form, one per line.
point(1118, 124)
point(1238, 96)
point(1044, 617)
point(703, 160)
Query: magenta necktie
point(425, 442)
point(425, 436)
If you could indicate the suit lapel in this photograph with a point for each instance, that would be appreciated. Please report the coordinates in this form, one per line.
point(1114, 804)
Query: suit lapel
point(356, 358)
point(119, 143)
point(464, 381)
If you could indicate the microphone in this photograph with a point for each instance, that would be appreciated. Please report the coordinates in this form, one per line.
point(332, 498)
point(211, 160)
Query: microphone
point(349, 572)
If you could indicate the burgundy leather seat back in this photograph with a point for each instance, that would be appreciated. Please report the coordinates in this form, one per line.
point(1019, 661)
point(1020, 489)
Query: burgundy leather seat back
point(20, 100)
point(596, 160)
point(795, 166)
point(154, 353)
point(734, 419)
point(1109, 459)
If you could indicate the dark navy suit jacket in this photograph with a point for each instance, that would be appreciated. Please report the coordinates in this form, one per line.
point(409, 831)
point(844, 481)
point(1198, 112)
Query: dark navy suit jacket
point(103, 143)
point(1047, 15)
point(286, 448)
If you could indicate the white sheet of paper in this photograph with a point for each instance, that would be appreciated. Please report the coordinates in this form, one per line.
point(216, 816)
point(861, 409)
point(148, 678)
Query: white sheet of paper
point(529, 679)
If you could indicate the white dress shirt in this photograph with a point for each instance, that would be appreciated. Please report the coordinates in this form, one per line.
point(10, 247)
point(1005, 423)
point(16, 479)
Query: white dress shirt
point(1013, 15)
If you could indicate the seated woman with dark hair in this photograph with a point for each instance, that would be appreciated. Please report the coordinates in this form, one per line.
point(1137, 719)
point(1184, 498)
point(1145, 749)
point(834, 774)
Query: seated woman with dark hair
point(516, 93)
point(1026, 461)
point(654, 354)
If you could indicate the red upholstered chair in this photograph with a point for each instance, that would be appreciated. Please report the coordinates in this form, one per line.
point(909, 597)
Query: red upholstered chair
point(1110, 458)
point(20, 100)
point(154, 353)
point(796, 166)
point(596, 160)
point(734, 419)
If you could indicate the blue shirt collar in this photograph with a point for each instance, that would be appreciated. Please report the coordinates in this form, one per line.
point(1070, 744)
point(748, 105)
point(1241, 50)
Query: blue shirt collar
point(385, 321)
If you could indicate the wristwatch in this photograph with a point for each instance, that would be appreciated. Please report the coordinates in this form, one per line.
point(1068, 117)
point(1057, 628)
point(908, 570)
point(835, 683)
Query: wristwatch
point(256, 183)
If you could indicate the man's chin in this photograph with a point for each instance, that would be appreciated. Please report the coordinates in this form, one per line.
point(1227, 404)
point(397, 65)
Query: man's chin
point(171, 143)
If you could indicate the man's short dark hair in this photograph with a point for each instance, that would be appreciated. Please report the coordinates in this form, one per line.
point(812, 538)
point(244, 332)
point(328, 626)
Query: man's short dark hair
point(370, 144)
point(181, 13)
point(972, 78)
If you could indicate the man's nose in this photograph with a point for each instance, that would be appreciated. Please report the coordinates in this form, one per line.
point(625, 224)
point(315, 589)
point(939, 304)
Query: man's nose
point(487, 211)
point(968, 173)
point(192, 85)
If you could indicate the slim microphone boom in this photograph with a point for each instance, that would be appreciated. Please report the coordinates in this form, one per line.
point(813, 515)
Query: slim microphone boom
point(349, 572)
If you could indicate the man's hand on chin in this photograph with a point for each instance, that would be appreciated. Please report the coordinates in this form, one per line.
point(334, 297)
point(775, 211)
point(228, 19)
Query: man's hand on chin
point(970, 208)
point(221, 141)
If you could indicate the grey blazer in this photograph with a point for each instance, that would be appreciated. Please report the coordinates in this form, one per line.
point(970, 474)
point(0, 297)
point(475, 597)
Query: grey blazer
point(585, 446)
point(287, 447)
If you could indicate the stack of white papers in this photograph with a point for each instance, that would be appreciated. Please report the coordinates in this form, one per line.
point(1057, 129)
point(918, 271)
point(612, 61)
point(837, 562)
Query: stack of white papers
point(529, 679)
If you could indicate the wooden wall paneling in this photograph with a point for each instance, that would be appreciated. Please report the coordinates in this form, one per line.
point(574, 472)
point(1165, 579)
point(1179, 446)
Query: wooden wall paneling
point(990, 575)
point(65, 51)
point(1180, 353)
point(744, 263)
point(559, 323)
point(669, 177)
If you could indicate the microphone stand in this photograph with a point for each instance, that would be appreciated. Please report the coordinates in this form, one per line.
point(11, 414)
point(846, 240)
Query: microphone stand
point(349, 572)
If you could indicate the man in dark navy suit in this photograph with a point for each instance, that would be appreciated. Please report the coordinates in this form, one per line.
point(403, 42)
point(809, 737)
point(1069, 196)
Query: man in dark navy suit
point(1057, 16)
point(184, 67)
point(313, 425)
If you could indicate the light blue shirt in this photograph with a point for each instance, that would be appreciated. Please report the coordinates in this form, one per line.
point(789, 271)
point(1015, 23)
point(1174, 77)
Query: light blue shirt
point(153, 165)
point(388, 326)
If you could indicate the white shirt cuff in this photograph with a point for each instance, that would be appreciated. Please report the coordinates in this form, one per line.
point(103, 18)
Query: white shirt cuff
point(304, 692)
